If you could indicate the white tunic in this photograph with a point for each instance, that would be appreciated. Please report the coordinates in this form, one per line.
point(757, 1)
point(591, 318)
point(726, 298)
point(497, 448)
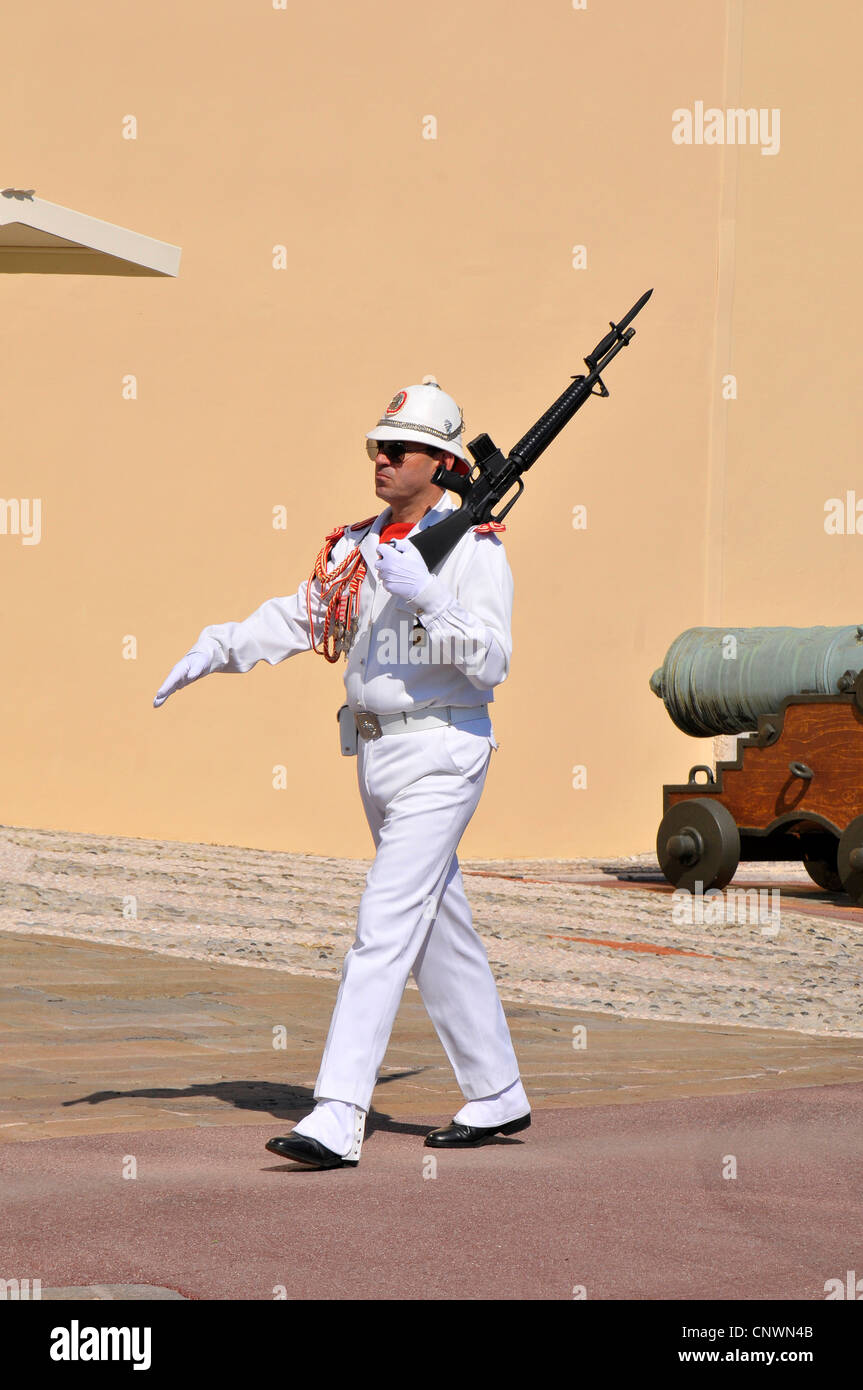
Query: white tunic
point(466, 652)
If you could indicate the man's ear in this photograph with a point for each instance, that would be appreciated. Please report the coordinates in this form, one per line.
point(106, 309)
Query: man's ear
point(455, 464)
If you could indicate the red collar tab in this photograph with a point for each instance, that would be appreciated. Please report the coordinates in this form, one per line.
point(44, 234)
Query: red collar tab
point(396, 530)
point(488, 527)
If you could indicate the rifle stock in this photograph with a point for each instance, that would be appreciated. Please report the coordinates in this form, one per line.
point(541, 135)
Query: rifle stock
point(436, 542)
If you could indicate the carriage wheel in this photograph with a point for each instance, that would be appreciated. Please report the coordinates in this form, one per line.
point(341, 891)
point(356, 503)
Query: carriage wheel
point(698, 842)
point(822, 867)
point(849, 859)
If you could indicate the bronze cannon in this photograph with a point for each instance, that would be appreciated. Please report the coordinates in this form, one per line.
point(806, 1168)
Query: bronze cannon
point(795, 789)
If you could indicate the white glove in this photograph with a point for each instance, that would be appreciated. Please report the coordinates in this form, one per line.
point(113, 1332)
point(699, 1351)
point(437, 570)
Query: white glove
point(402, 570)
point(193, 665)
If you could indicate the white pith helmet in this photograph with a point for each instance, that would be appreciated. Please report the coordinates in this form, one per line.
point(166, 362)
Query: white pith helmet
point(425, 413)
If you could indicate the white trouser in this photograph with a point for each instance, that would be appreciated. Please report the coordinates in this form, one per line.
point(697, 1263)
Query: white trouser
point(419, 791)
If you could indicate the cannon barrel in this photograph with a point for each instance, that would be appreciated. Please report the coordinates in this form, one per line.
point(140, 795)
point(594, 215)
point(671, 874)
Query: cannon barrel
point(718, 680)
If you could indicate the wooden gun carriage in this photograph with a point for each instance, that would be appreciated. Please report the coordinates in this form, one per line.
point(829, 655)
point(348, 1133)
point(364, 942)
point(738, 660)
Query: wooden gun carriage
point(795, 789)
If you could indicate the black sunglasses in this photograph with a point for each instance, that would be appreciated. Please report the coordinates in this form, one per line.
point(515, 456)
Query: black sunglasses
point(394, 449)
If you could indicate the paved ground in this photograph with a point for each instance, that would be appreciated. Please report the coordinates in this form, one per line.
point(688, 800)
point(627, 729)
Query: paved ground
point(625, 1202)
point(667, 1159)
point(102, 1038)
point(138, 1064)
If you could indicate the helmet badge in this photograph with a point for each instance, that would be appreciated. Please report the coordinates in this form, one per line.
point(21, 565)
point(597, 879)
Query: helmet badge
point(397, 402)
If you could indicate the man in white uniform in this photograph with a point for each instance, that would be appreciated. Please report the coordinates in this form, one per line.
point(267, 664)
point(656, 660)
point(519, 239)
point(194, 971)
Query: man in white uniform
point(424, 654)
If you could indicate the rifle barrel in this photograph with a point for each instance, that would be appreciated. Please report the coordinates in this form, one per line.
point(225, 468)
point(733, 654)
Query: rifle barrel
point(549, 425)
point(499, 474)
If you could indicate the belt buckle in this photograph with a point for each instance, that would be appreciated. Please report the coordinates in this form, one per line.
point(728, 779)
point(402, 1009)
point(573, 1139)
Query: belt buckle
point(368, 725)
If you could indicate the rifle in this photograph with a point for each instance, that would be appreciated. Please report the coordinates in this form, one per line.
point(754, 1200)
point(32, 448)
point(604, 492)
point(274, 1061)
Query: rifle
point(493, 476)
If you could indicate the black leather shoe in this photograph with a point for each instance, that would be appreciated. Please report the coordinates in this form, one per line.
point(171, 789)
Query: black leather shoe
point(459, 1136)
point(308, 1151)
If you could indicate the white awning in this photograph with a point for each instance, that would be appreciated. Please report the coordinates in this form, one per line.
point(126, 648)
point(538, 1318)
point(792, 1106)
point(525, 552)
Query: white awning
point(38, 237)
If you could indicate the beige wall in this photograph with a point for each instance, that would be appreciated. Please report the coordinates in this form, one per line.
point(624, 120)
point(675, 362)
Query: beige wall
point(407, 255)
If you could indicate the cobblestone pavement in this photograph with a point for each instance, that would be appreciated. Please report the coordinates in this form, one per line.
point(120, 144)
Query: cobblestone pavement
point(166, 1004)
point(560, 933)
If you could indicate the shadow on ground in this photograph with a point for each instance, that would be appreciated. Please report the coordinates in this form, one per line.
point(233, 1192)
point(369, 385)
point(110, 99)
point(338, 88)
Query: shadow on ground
point(282, 1102)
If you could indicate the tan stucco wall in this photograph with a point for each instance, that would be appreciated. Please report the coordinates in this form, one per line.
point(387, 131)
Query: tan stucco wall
point(406, 255)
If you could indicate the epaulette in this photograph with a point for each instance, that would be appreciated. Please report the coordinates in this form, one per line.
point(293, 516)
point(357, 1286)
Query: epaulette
point(337, 534)
point(488, 527)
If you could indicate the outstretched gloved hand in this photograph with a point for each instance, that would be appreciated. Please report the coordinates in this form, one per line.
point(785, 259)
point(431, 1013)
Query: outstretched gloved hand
point(191, 667)
point(402, 570)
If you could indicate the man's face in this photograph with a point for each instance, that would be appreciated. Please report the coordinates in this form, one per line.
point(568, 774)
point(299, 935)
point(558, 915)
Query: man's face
point(407, 476)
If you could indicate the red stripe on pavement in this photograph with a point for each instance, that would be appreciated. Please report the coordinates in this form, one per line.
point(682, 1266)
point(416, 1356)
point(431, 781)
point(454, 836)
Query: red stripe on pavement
point(633, 946)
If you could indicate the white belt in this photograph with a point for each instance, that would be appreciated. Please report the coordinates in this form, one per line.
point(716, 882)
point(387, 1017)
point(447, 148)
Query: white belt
point(370, 726)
